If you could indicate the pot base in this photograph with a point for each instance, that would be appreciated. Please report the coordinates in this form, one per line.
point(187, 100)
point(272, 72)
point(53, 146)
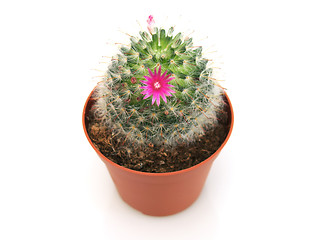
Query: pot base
point(160, 195)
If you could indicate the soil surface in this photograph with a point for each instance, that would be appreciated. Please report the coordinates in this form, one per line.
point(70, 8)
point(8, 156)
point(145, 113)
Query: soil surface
point(157, 159)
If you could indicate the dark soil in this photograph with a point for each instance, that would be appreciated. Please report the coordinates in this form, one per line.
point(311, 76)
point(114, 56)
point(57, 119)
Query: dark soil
point(157, 159)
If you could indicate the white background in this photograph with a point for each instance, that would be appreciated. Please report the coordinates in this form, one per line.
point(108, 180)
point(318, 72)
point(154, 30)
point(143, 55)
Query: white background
point(264, 185)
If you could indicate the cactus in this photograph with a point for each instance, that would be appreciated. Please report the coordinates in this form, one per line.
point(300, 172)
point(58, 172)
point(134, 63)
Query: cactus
point(158, 91)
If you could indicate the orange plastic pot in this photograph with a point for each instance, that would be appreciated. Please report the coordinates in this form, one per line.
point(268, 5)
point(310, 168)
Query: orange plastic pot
point(158, 194)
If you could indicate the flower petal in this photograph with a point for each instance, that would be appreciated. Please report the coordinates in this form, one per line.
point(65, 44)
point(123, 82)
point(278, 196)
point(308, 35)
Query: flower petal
point(159, 71)
point(164, 75)
point(170, 79)
point(163, 95)
point(158, 100)
point(148, 80)
point(151, 74)
point(147, 95)
point(171, 90)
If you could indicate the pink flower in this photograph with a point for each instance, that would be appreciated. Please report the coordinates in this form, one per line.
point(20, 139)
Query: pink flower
point(150, 22)
point(150, 19)
point(157, 86)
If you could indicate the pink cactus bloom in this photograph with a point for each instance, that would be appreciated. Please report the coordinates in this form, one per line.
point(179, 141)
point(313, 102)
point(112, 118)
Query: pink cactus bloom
point(157, 86)
point(150, 22)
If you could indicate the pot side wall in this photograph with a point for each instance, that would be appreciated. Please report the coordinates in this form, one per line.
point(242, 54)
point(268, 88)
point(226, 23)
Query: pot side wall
point(159, 195)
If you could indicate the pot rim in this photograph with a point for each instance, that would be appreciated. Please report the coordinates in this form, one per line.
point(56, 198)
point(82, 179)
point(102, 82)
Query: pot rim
point(158, 174)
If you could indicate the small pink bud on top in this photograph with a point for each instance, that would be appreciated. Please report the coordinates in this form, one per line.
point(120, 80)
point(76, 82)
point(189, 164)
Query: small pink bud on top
point(150, 22)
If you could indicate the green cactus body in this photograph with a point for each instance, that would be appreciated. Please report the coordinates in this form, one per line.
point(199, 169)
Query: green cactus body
point(188, 113)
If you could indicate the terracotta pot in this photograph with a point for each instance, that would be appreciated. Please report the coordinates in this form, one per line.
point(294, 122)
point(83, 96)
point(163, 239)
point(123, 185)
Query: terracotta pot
point(159, 194)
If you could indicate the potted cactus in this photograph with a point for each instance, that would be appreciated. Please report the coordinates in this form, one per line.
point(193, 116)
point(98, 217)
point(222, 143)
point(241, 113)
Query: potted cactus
point(158, 119)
